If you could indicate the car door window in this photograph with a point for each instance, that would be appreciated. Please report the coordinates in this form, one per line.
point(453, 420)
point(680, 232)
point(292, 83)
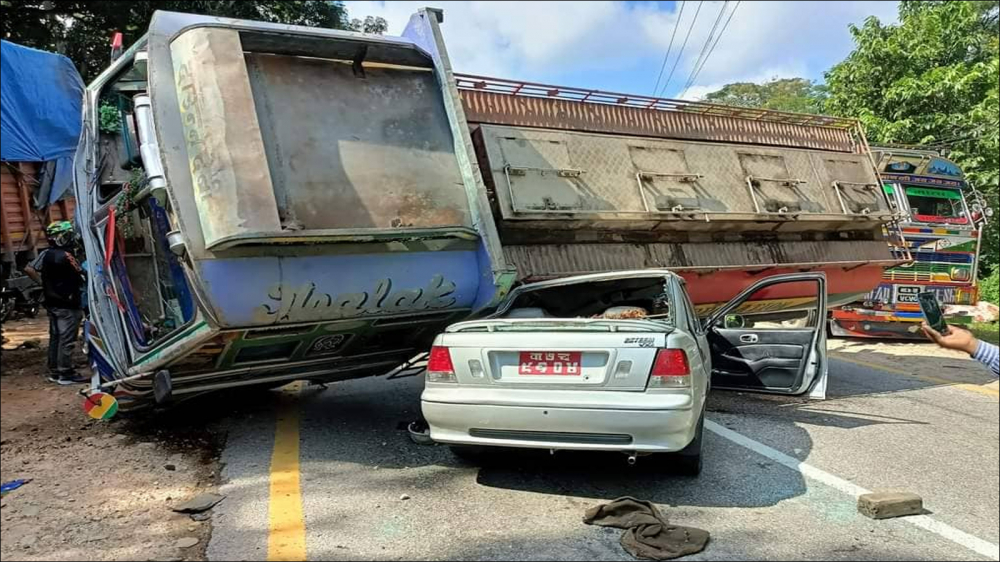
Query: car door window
point(768, 338)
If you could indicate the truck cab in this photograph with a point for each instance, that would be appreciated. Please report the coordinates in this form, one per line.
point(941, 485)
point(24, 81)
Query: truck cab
point(941, 220)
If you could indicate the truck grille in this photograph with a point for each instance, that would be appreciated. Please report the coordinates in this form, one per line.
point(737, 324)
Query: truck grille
point(940, 257)
point(920, 271)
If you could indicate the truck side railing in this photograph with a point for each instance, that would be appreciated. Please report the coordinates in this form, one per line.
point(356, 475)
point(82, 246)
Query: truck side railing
point(533, 89)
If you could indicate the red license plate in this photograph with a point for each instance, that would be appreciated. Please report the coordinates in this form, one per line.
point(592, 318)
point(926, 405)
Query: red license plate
point(549, 363)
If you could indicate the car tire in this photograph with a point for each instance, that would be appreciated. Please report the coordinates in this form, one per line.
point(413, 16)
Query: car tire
point(687, 461)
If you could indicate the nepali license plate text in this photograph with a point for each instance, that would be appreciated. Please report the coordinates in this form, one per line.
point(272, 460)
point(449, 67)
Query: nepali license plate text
point(549, 363)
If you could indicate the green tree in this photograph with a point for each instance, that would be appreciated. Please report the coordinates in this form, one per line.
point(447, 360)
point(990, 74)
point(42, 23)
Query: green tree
point(786, 94)
point(371, 24)
point(931, 79)
point(82, 30)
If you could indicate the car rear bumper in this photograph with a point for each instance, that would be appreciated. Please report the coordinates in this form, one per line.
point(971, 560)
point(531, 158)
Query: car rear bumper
point(542, 427)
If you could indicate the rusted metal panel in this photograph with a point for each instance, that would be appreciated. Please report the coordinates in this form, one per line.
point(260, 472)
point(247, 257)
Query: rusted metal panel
point(552, 260)
point(548, 91)
point(227, 162)
point(524, 111)
point(564, 177)
point(347, 152)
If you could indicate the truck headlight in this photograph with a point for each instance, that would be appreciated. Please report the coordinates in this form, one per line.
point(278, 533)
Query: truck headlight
point(960, 274)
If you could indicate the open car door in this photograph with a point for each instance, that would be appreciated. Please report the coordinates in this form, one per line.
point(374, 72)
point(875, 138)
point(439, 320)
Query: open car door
point(771, 337)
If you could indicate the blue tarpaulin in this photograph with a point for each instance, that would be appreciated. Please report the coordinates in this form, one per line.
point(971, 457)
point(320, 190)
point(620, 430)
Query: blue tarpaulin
point(40, 100)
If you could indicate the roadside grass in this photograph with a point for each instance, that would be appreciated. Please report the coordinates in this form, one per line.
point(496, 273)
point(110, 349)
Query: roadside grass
point(987, 332)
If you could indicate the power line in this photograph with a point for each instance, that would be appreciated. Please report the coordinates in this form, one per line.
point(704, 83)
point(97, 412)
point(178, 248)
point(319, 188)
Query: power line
point(712, 49)
point(681, 53)
point(708, 41)
point(680, 13)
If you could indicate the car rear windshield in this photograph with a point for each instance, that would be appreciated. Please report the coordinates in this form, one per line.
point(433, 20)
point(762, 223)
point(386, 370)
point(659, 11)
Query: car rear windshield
point(559, 325)
point(641, 298)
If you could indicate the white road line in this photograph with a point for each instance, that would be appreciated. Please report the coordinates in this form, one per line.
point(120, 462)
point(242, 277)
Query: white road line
point(973, 543)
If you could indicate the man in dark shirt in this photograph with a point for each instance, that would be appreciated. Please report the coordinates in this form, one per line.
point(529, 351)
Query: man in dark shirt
point(62, 283)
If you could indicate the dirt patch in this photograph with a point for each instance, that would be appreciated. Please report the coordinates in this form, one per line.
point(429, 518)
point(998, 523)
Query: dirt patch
point(99, 490)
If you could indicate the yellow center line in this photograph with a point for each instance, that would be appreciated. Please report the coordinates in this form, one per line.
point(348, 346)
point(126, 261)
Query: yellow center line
point(287, 527)
point(987, 391)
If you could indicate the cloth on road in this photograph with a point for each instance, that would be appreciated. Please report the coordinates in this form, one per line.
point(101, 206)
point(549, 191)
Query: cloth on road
point(648, 535)
point(989, 355)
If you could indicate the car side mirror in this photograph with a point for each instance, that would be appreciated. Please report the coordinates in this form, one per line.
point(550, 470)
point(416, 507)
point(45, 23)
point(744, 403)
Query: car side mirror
point(734, 321)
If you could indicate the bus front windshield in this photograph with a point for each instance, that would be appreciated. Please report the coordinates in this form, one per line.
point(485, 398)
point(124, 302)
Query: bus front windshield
point(936, 205)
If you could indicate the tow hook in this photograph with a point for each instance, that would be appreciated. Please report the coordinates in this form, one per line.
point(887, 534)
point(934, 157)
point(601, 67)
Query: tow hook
point(632, 458)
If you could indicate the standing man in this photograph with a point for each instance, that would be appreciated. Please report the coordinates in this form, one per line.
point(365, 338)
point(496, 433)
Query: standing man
point(962, 340)
point(62, 283)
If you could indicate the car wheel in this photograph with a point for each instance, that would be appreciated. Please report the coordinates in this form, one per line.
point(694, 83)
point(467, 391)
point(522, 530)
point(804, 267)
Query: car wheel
point(687, 461)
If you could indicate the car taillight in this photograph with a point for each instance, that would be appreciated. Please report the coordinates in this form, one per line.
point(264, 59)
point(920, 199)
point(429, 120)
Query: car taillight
point(670, 369)
point(439, 365)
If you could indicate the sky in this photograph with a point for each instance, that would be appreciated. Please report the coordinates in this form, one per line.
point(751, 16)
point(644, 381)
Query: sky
point(620, 46)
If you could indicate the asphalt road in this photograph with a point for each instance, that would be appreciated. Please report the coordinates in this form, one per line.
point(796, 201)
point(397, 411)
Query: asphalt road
point(780, 478)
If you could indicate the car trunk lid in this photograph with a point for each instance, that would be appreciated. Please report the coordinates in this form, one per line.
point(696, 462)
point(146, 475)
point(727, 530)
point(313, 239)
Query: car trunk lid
point(556, 353)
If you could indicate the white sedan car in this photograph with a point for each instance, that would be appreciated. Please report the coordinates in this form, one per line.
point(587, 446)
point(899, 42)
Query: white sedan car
point(619, 362)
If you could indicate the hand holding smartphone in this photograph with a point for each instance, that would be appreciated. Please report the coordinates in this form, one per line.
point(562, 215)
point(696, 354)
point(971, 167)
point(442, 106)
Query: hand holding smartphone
point(931, 309)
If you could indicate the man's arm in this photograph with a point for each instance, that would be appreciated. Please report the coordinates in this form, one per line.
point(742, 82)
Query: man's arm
point(34, 269)
point(963, 340)
point(989, 355)
point(30, 271)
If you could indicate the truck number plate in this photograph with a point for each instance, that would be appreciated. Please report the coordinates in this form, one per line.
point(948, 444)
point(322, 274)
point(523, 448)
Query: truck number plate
point(907, 293)
point(549, 363)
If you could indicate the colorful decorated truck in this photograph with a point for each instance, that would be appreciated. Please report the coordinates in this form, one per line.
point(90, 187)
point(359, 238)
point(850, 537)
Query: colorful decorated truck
point(289, 203)
point(942, 232)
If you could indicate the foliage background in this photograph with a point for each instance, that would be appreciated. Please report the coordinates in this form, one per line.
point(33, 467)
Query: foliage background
point(82, 30)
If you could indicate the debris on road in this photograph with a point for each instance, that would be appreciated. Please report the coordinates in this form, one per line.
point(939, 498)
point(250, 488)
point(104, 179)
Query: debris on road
point(199, 503)
point(8, 487)
point(186, 542)
point(889, 504)
point(648, 535)
point(34, 343)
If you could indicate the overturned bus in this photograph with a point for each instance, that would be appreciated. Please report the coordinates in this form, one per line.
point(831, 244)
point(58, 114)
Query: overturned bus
point(285, 202)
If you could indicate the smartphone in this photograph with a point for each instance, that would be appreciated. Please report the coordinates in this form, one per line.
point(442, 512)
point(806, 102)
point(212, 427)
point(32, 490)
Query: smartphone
point(931, 308)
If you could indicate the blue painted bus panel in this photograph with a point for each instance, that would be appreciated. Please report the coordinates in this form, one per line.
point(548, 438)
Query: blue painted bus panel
point(265, 291)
